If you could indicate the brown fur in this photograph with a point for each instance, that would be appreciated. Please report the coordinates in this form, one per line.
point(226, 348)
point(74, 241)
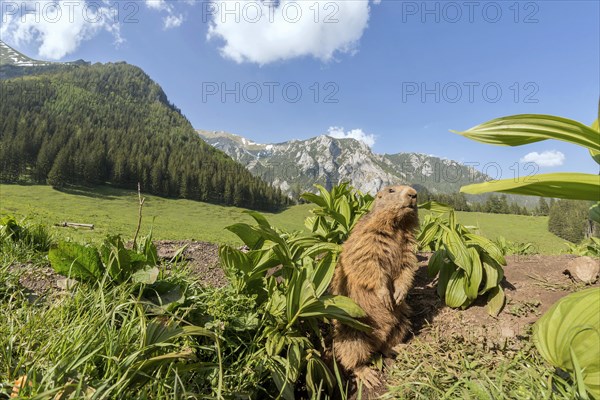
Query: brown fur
point(376, 270)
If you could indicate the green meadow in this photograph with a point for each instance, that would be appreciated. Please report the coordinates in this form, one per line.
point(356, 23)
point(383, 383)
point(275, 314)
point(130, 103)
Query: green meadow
point(115, 211)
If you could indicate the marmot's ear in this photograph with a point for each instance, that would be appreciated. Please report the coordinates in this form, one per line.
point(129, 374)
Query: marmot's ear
point(379, 196)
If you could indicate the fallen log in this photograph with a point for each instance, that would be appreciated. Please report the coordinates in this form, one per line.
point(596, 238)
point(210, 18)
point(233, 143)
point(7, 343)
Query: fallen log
point(75, 225)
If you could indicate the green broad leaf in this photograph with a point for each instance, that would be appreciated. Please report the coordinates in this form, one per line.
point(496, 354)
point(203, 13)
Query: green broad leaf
point(563, 185)
point(485, 258)
point(314, 198)
point(323, 274)
point(247, 234)
point(345, 211)
point(572, 327)
point(435, 207)
point(76, 261)
point(455, 292)
point(325, 195)
point(428, 234)
point(294, 358)
point(491, 278)
point(294, 293)
point(457, 251)
point(496, 300)
point(261, 261)
point(285, 387)
point(474, 280)
point(234, 259)
point(595, 154)
point(259, 218)
point(517, 130)
point(436, 262)
point(487, 246)
point(446, 272)
point(147, 275)
point(337, 217)
point(595, 212)
point(322, 247)
point(341, 308)
point(274, 343)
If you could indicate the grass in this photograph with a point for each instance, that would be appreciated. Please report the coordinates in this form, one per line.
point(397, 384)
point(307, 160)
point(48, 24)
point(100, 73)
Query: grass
point(446, 367)
point(516, 228)
point(98, 340)
point(115, 211)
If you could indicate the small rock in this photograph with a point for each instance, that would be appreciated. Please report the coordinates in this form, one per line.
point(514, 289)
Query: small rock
point(585, 269)
point(507, 332)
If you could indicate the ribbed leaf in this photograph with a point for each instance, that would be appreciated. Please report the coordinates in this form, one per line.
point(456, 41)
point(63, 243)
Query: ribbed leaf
point(435, 207)
point(474, 280)
point(314, 198)
point(247, 234)
point(446, 272)
point(345, 211)
point(563, 185)
point(457, 250)
point(436, 262)
point(428, 233)
point(259, 218)
point(496, 300)
point(595, 154)
point(572, 326)
point(341, 308)
point(517, 130)
point(234, 259)
point(455, 292)
point(487, 246)
point(323, 274)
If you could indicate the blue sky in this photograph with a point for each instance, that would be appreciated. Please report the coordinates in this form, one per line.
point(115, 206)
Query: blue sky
point(399, 73)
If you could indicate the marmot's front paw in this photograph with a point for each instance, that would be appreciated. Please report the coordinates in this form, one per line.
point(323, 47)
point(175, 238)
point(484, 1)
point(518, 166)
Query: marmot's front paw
point(386, 298)
point(399, 296)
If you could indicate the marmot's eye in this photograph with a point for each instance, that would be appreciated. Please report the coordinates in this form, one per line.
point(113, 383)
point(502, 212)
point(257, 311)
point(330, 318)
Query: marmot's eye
point(391, 190)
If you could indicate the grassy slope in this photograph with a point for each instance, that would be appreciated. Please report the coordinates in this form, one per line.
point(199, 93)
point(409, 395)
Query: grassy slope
point(115, 211)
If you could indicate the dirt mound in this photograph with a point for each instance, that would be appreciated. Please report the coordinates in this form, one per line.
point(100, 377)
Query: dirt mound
point(532, 284)
point(202, 259)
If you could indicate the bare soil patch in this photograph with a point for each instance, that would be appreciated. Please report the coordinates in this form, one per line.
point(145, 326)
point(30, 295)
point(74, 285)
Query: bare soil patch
point(531, 284)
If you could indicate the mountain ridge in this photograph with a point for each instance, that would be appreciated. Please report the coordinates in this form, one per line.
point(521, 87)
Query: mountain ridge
point(295, 165)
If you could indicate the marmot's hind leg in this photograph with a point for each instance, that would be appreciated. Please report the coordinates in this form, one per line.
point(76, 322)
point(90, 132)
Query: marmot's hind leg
point(399, 333)
point(352, 348)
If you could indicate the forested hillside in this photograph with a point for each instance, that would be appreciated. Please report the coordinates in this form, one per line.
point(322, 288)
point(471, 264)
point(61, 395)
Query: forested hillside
point(110, 123)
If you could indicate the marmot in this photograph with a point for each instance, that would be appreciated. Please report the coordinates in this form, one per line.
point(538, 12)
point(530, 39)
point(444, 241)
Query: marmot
point(376, 269)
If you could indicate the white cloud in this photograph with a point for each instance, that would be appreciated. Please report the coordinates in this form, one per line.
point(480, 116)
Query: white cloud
point(264, 32)
point(159, 5)
point(551, 158)
point(59, 26)
point(173, 21)
point(358, 134)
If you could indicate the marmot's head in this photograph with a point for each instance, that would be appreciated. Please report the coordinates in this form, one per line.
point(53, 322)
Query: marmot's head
point(398, 203)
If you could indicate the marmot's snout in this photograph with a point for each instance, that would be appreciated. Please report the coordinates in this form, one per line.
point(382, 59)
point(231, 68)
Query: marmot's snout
point(404, 196)
point(410, 198)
